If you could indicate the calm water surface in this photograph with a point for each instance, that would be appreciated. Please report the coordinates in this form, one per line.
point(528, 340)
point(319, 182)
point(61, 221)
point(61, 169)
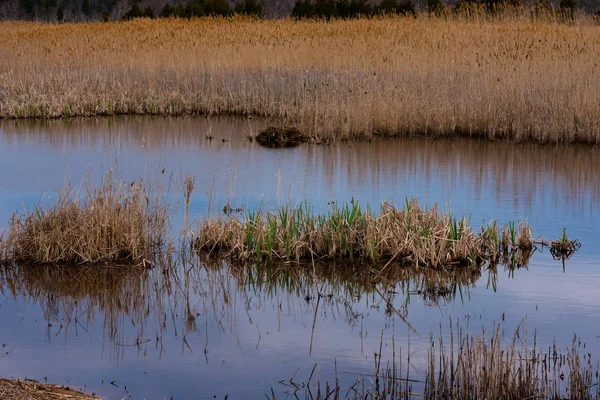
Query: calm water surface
point(222, 329)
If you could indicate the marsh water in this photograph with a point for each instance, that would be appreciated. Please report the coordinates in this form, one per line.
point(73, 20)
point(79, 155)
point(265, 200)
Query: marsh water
point(201, 329)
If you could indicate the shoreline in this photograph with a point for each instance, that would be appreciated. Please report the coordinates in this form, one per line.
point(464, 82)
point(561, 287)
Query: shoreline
point(17, 389)
point(264, 121)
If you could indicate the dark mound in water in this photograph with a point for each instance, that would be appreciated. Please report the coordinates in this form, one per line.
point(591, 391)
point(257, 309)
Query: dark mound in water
point(281, 136)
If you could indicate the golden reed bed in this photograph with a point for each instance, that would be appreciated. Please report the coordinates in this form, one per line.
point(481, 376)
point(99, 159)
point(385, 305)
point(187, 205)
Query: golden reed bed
point(510, 77)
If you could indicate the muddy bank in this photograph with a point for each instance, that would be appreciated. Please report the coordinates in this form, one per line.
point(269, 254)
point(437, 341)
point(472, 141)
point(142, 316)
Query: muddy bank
point(11, 389)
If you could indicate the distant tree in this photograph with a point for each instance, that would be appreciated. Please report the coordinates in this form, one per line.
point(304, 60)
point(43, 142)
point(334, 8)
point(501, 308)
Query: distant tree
point(167, 11)
point(567, 4)
point(325, 9)
point(387, 7)
point(86, 8)
point(435, 6)
point(60, 14)
point(303, 9)
point(249, 7)
point(136, 12)
point(27, 5)
point(343, 9)
point(406, 7)
point(360, 8)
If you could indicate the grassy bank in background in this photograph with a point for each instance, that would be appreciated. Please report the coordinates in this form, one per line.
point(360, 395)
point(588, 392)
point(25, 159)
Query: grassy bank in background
point(491, 76)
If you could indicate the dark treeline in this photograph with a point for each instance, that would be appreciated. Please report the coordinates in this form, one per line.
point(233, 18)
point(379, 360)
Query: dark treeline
point(349, 8)
point(328, 9)
point(105, 10)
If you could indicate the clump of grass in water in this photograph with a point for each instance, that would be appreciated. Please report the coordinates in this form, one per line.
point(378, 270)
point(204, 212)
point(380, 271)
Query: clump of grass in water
point(422, 237)
point(563, 247)
point(113, 222)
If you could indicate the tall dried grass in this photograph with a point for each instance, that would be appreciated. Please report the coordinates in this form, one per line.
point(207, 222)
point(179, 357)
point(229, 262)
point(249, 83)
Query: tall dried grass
point(112, 222)
point(516, 76)
point(474, 366)
point(482, 366)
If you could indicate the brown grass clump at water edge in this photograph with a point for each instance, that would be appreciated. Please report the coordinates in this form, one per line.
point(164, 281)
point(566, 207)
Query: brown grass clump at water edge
point(115, 222)
point(516, 77)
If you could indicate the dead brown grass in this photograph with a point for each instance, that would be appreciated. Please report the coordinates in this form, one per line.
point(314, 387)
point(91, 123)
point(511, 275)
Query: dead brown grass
point(489, 365)
point(115, 222)
point(510, 77)
point(20, 390)
point(485, 366)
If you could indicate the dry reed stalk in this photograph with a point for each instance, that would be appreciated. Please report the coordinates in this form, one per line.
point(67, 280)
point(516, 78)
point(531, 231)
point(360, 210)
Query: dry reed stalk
point(113, 222)
point(412, 235)
point(519, 76)
point(483, 366)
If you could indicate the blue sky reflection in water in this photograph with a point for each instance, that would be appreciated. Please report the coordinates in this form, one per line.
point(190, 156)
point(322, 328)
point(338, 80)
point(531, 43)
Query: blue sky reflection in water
point(246, 337)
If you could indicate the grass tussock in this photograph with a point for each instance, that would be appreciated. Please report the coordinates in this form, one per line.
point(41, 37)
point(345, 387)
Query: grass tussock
point(115, 222)
point(413, 235)
point(518, 76)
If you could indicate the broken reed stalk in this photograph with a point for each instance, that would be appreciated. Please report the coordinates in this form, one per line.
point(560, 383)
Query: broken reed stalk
point(413, 235)
point(115, 222)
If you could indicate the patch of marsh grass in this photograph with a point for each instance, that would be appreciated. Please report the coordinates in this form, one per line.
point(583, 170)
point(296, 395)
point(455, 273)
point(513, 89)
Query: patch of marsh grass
point(414, 235)
point(114, 222)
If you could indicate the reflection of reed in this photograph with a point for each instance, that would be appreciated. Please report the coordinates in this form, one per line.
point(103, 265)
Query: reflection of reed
point(487, 169)
point(350, 281)
point(75, 296)
point(129, 131)
point(208, 297)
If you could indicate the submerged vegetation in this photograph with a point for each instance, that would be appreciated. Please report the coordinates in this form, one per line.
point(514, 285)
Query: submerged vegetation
point(519, 76)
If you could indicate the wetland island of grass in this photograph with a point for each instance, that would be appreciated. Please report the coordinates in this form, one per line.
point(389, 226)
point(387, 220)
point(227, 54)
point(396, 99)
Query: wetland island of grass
point(330, 199)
